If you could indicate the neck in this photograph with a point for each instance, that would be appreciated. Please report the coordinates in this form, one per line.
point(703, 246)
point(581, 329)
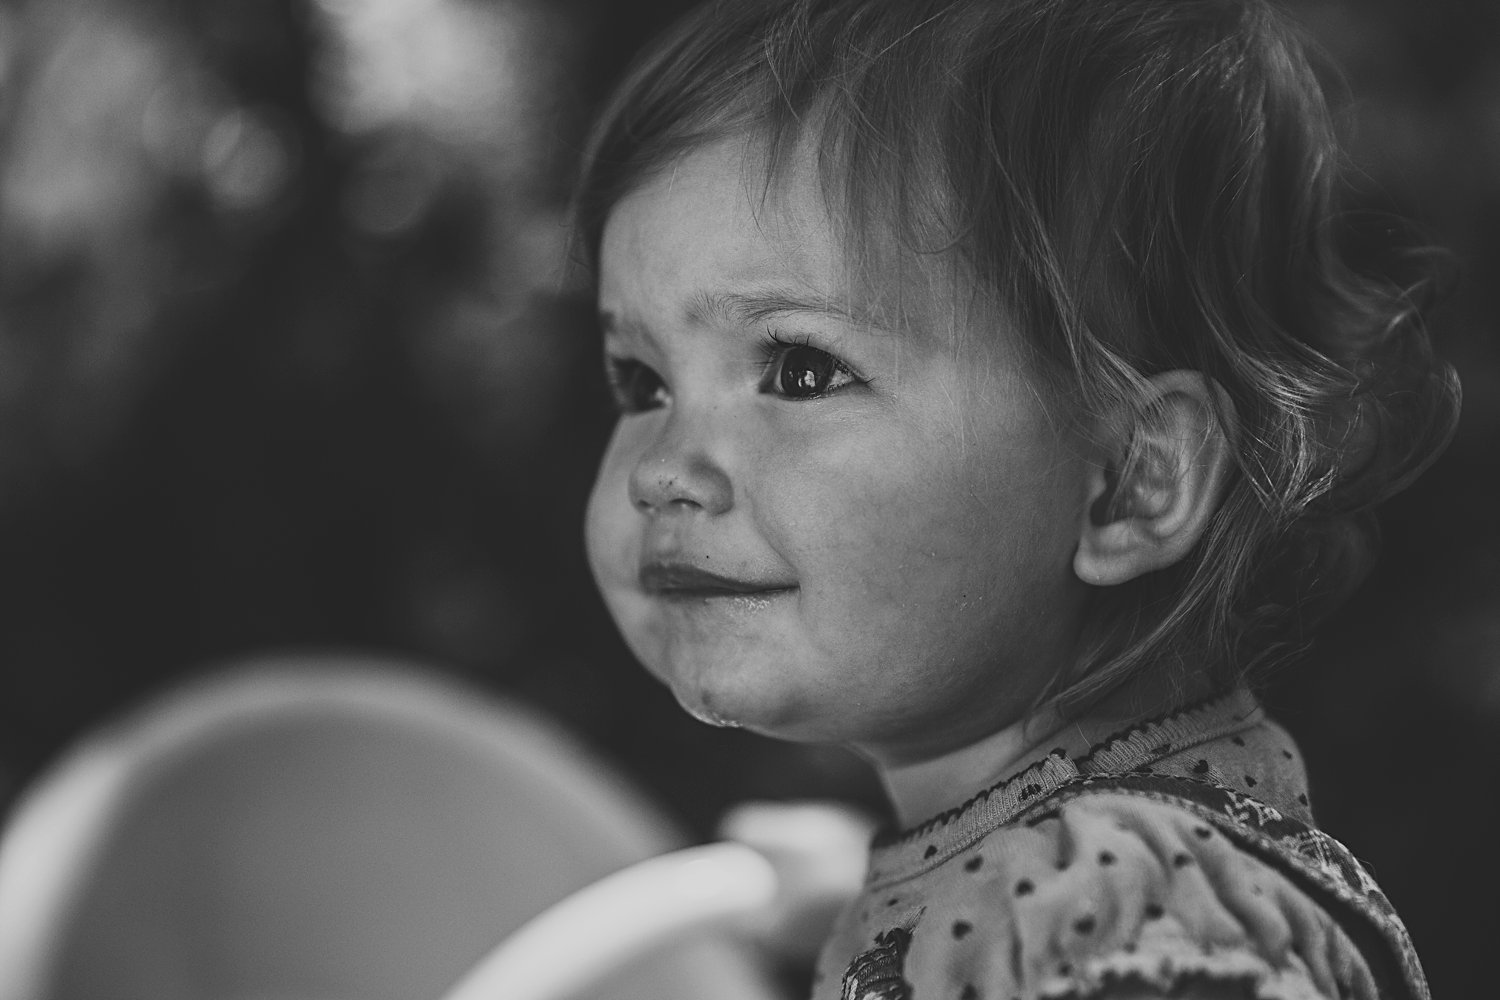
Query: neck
point(921, 789)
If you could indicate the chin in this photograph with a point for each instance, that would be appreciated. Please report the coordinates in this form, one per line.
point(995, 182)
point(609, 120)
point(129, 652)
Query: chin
point(740, 696)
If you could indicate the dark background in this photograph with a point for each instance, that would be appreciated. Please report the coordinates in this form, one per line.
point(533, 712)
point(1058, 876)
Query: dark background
point(284, 363)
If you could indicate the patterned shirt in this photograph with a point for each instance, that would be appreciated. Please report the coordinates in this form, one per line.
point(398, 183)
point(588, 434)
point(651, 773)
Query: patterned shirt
point(1181, 850)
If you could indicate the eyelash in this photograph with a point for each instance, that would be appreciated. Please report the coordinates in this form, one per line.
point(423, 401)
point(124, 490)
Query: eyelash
point(631, 394)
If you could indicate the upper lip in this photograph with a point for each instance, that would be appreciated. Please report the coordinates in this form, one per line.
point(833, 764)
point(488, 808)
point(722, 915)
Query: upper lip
point(661, 577)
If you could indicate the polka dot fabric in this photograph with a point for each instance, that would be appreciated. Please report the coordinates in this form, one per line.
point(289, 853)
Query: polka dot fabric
point(1096, 877)
point(1114, 891)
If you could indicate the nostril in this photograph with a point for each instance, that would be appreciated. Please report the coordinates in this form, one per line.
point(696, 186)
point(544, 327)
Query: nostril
point(680, 483)
point(650, 505)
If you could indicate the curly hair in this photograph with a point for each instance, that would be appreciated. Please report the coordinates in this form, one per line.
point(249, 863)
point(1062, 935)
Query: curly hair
point(1145, 186)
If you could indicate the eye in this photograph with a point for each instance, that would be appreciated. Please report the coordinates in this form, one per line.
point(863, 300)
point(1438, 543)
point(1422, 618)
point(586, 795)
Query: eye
point(635, 387)
point(800, 371)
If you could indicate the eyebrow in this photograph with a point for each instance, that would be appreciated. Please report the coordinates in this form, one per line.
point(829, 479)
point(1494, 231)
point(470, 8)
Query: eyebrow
point(747, 309)
point(752, 308)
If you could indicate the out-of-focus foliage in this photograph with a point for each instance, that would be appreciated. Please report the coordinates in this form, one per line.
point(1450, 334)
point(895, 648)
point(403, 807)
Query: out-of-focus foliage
point(288, 357)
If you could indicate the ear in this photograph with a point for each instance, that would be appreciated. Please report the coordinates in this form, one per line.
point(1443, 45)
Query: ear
point(1160, 480)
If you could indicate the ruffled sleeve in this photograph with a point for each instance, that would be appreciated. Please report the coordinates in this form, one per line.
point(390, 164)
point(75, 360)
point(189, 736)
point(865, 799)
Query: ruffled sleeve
point(1117, 895)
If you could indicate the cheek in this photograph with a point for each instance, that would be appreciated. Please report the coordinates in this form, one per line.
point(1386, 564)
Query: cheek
point(612, 537)
point(609, 522)
point(933, 545)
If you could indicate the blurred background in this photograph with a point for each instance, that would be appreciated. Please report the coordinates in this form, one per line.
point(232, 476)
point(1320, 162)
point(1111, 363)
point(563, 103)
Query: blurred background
point(288, 361)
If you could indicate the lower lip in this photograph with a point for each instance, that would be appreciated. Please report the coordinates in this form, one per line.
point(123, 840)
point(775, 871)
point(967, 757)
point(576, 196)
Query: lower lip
point(707, 596)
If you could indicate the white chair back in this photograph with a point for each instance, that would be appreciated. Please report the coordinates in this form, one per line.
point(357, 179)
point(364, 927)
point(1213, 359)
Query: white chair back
point(317, 829)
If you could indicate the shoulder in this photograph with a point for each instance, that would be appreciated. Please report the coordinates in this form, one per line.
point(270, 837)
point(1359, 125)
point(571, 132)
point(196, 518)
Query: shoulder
point(1116, 896)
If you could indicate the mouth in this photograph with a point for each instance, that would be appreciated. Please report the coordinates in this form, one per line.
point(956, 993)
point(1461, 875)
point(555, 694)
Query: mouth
point(679, 581)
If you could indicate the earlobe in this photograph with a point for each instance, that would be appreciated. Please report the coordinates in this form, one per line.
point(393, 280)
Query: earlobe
point(1152, 496)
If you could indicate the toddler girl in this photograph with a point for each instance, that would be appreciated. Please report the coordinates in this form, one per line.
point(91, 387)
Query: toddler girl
point(995, 398)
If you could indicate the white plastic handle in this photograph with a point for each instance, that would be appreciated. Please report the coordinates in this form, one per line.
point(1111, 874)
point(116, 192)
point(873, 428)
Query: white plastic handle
point(580, 940)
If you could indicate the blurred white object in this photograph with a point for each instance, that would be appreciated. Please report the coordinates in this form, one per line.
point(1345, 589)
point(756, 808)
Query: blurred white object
point(795, 867)
point(319, 830)
point(820, 852)
point(623, 915)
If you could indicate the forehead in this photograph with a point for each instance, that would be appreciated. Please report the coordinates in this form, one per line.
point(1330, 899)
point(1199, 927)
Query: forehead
point(722, 218)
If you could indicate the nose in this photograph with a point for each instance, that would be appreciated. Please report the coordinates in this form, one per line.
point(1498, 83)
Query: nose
point(677, 473)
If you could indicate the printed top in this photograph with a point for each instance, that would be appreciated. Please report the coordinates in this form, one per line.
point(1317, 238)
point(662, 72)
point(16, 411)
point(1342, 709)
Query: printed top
point(1179, 853)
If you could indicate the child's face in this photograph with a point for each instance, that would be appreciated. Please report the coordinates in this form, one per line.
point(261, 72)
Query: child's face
point(809, 522)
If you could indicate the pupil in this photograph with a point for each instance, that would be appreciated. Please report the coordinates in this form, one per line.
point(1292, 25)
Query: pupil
point(649, 391)
point(805, 371)
point(644, 390)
